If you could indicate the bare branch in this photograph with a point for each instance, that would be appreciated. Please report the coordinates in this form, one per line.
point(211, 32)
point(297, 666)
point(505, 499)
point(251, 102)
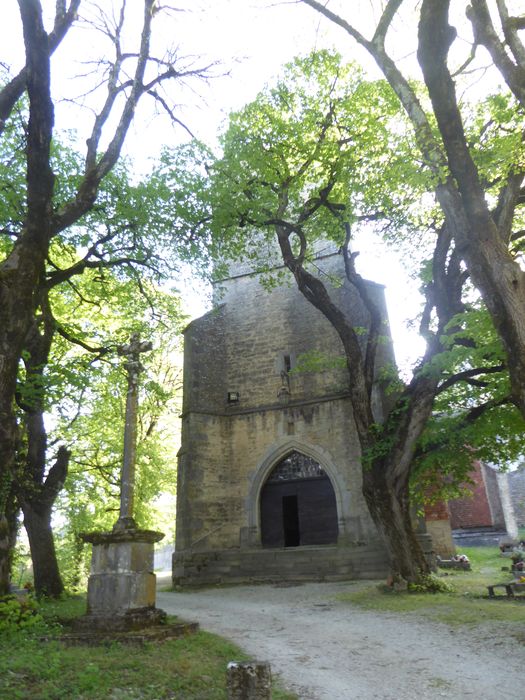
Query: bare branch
point(510, 27)
point(14, 90)
point(169, 111)
point(374, 329)
point(485, 34)
point(506, 207)
point(385, 21)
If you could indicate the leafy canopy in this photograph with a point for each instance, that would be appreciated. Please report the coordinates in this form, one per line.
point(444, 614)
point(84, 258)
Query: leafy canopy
point(322, 146)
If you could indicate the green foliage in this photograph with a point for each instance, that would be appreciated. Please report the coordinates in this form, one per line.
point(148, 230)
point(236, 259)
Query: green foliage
point(192, 668)
point(430, 583)
point(103, 276)
point(321, 128)
point(494, 132)
point(459, 431)
point(18, 613)
point(317, 361)
point(467, 604)
point(323, 146)
point(12, 180)
point(88, 393)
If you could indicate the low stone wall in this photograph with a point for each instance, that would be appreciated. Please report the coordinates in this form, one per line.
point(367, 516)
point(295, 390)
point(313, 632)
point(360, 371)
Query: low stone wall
point(324, 563)
point(313, 563)
point(478, 537)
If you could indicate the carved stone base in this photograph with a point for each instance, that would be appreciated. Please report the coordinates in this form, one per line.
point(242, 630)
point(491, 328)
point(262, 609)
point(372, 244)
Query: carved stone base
point(121, 585)
point(133, 619)
point(78, 635)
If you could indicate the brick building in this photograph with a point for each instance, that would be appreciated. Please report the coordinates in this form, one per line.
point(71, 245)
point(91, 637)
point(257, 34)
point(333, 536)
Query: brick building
point(269, 481)
point(487, 514)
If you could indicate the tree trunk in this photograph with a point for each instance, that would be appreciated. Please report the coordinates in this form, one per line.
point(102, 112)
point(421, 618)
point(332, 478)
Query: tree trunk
point(6, 540)
point(37, 522)
point(5, 555)
point(37, 501)
point(386, 479)
point(492, 268)
point(20, 271)
point(390, 509)
point(8, 535)
point(480, 238)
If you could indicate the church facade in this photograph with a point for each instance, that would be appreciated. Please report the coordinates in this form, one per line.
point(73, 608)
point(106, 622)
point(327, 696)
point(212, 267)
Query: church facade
point(269, 479)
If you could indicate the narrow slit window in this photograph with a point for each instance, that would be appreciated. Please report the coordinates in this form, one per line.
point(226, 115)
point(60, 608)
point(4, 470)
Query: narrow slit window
point(287, 363)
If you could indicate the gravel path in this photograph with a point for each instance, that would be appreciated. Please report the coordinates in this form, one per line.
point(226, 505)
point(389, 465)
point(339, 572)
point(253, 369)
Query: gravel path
point(327, 650)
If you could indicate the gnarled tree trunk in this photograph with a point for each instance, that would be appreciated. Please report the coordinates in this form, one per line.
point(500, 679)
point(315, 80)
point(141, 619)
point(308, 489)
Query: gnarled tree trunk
point(37, 494)
point(482, 234)
point(390, 508)
point(483, 241)
point(385, 478)
point(21, 270)
point(37, 522)
point(8, 535)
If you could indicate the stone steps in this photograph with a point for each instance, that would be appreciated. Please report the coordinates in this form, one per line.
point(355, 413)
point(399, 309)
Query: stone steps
point(328, 563)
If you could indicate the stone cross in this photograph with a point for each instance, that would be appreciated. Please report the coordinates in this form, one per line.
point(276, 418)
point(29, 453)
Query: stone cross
point(133, 368)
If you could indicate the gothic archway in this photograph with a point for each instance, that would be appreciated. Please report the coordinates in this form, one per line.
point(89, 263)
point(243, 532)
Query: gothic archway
point(298, 504)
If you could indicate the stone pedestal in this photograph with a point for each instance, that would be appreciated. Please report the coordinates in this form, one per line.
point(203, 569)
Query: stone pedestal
point(121, 586)
point(251, 680)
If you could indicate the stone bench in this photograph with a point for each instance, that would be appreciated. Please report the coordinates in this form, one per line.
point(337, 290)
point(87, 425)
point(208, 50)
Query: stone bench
point(511, 589)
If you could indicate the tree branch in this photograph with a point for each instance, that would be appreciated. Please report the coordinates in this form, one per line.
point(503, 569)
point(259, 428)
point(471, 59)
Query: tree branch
point(468, 374)
point(100, 350)
point(374, 329)
point(510, 27)
point(485, 34)
point(13, 91)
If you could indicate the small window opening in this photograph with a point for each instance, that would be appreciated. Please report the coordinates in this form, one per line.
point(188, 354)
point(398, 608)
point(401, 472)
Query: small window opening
point(287, 363)
point(233, 397)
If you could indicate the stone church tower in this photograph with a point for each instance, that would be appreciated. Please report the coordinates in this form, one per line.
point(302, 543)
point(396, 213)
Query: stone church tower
point(269, 480)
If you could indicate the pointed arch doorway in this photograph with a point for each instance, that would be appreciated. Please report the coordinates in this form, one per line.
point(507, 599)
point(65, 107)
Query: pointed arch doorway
point(298, 504)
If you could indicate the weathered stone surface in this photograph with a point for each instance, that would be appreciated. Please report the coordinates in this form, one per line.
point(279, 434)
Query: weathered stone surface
point(324, 563)
point(129, 535)
point(438, 527)
point(120, 591)
point(247, 349)
point(517, 490)
point(109, 621)
point(121, 577)
point(250, 680)
point(90, 634)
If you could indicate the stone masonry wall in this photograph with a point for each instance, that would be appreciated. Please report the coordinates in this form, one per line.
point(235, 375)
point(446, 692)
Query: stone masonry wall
point(517, 491)
point(438, 527)
point(245, 346)
point(493, 496)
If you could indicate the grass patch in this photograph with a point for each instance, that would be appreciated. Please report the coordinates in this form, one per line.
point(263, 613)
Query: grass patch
point(466, 605)
point(193, 668)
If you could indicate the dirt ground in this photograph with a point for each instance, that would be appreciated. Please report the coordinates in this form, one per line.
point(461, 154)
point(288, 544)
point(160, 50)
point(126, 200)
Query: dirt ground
point(327, 650)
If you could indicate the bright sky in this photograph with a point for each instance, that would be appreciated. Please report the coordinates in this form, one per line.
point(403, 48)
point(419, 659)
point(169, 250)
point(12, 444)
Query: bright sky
point(252, 39)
